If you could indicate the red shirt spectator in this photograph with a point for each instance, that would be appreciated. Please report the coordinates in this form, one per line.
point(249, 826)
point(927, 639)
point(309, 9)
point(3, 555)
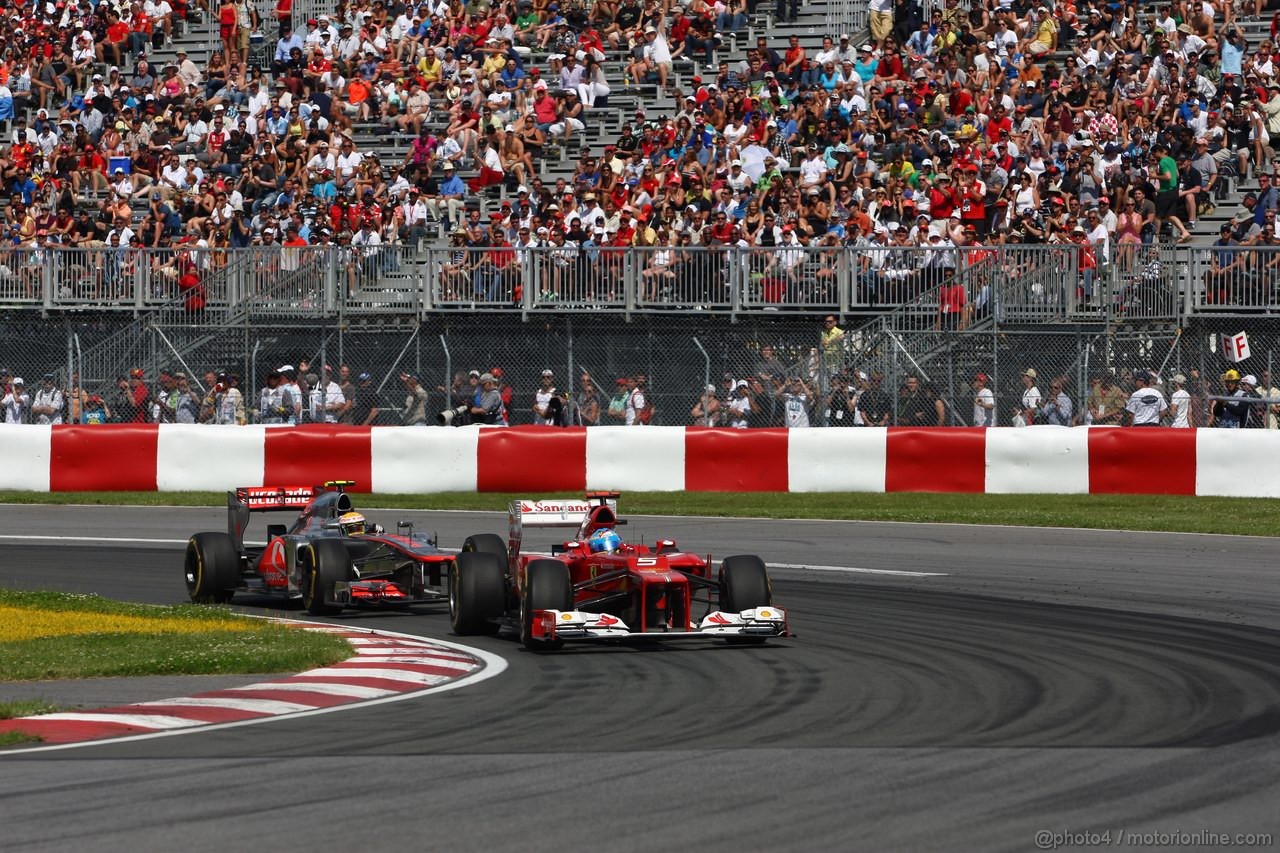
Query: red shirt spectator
point(998, 122)
point(544, 108)
point(943, 200)
point(973, 207)
point(118, 33)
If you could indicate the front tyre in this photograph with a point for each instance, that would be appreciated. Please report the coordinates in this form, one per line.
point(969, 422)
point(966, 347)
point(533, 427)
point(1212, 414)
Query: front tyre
point(212, 568)
point(546, 587)
point(325, 563)
point(744, 585)
point(477, 593)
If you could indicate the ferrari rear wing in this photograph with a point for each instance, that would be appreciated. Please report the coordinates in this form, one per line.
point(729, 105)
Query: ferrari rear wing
point(555, 512)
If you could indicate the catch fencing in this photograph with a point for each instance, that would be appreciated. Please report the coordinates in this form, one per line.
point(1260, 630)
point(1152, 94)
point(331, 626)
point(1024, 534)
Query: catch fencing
point(692, 366)
point(705, 328)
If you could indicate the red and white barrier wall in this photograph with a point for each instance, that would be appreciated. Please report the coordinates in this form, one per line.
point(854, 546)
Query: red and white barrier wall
point(412, 460)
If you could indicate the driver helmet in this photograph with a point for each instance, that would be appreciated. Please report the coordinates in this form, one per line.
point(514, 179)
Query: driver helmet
point(604, 540)
point(351, 524)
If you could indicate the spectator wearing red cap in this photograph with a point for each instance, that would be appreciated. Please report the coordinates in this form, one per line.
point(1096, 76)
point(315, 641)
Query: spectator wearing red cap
point(984, 402)
point(617, 410)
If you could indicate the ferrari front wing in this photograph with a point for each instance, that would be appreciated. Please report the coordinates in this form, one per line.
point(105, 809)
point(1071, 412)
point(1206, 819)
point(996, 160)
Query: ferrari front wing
point(582, 626)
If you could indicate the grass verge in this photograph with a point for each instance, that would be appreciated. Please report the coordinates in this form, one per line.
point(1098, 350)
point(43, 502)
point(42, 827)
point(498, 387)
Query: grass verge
point(25, 708)
point(14, 738)
point(56, 635)
point(1246, 516)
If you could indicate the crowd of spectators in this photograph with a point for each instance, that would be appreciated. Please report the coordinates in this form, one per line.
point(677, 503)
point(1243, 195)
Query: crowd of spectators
point(1096, 123)
point(857, 398)
point(306, 393)
point(767, 391)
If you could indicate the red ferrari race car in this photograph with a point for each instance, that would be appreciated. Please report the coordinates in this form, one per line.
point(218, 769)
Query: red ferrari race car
point(595, 588)
point(329, 558)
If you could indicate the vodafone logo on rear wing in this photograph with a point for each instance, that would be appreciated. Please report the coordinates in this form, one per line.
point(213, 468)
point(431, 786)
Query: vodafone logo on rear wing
point(270, 497)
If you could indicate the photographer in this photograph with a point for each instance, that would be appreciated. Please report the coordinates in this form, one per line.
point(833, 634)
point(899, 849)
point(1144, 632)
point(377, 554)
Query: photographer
point(488, 408)
point(224, 404)
point(415, 403)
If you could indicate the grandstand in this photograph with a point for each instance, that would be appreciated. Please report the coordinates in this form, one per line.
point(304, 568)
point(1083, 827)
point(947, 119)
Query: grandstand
point(842, 202)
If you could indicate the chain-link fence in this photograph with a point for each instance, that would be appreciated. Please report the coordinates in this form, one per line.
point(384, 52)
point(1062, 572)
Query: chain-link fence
point(910, 367)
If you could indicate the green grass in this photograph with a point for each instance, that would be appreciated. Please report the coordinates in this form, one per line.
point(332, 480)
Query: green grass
point(245, 646)
point(26, 708)
point(1247, 516)
point(14, 738)
point(23, 708)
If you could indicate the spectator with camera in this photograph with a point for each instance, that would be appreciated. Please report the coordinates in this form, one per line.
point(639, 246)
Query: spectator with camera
point(488, 408)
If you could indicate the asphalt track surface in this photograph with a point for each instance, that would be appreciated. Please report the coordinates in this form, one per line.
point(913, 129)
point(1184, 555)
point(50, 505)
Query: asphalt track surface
point(1056, 680)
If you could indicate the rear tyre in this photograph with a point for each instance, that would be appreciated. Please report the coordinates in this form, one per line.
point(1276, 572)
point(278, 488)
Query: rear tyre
point(212, 568)
point(477, 593)
point(546, 587)
point(325, 562)
point(744, 585)
point(486, 543)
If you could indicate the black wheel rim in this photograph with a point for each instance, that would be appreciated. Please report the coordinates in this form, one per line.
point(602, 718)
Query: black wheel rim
point(193, 572)
point(454, 580)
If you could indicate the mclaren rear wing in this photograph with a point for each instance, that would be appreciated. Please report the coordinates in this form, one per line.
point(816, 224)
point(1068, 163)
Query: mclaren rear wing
point(250, 499)
point(555, 512)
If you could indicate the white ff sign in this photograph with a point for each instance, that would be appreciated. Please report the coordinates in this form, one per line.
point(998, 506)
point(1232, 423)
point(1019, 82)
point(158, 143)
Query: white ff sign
point(1235, 347)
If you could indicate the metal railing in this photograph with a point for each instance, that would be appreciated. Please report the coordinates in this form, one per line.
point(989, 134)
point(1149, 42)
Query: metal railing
point(1051, 283)
point(1234, 278)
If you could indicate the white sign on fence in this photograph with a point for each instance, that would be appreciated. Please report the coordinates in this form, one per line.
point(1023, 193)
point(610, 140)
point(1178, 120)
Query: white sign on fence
point(1235, 347)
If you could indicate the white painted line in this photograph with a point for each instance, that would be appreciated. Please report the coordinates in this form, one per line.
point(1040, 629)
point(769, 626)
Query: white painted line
point(355, 691)
point(384, 674)
point(374, 643)
point(502, 514)
point(262, 706)
point(409, 652)
point(443, 663)
point(146, 721)
point(493, 665)
point(856, 570)
point(125, 540)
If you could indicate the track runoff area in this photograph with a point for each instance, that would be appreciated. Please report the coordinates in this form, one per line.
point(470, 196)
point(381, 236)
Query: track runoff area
point(1027, 663)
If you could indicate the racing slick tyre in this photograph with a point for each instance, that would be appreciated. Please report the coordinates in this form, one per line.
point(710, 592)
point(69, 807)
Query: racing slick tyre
point(486, 543)
point(212, 568)
point(325, 562)
point(477, 593)
point(546, 587)
point(744, 585)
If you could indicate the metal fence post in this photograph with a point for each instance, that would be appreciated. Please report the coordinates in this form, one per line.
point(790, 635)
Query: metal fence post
point(448, 361)
point(736, 281)
point(1191, 276)
point(568, 328)
point(330, 279)
point(47, 284)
